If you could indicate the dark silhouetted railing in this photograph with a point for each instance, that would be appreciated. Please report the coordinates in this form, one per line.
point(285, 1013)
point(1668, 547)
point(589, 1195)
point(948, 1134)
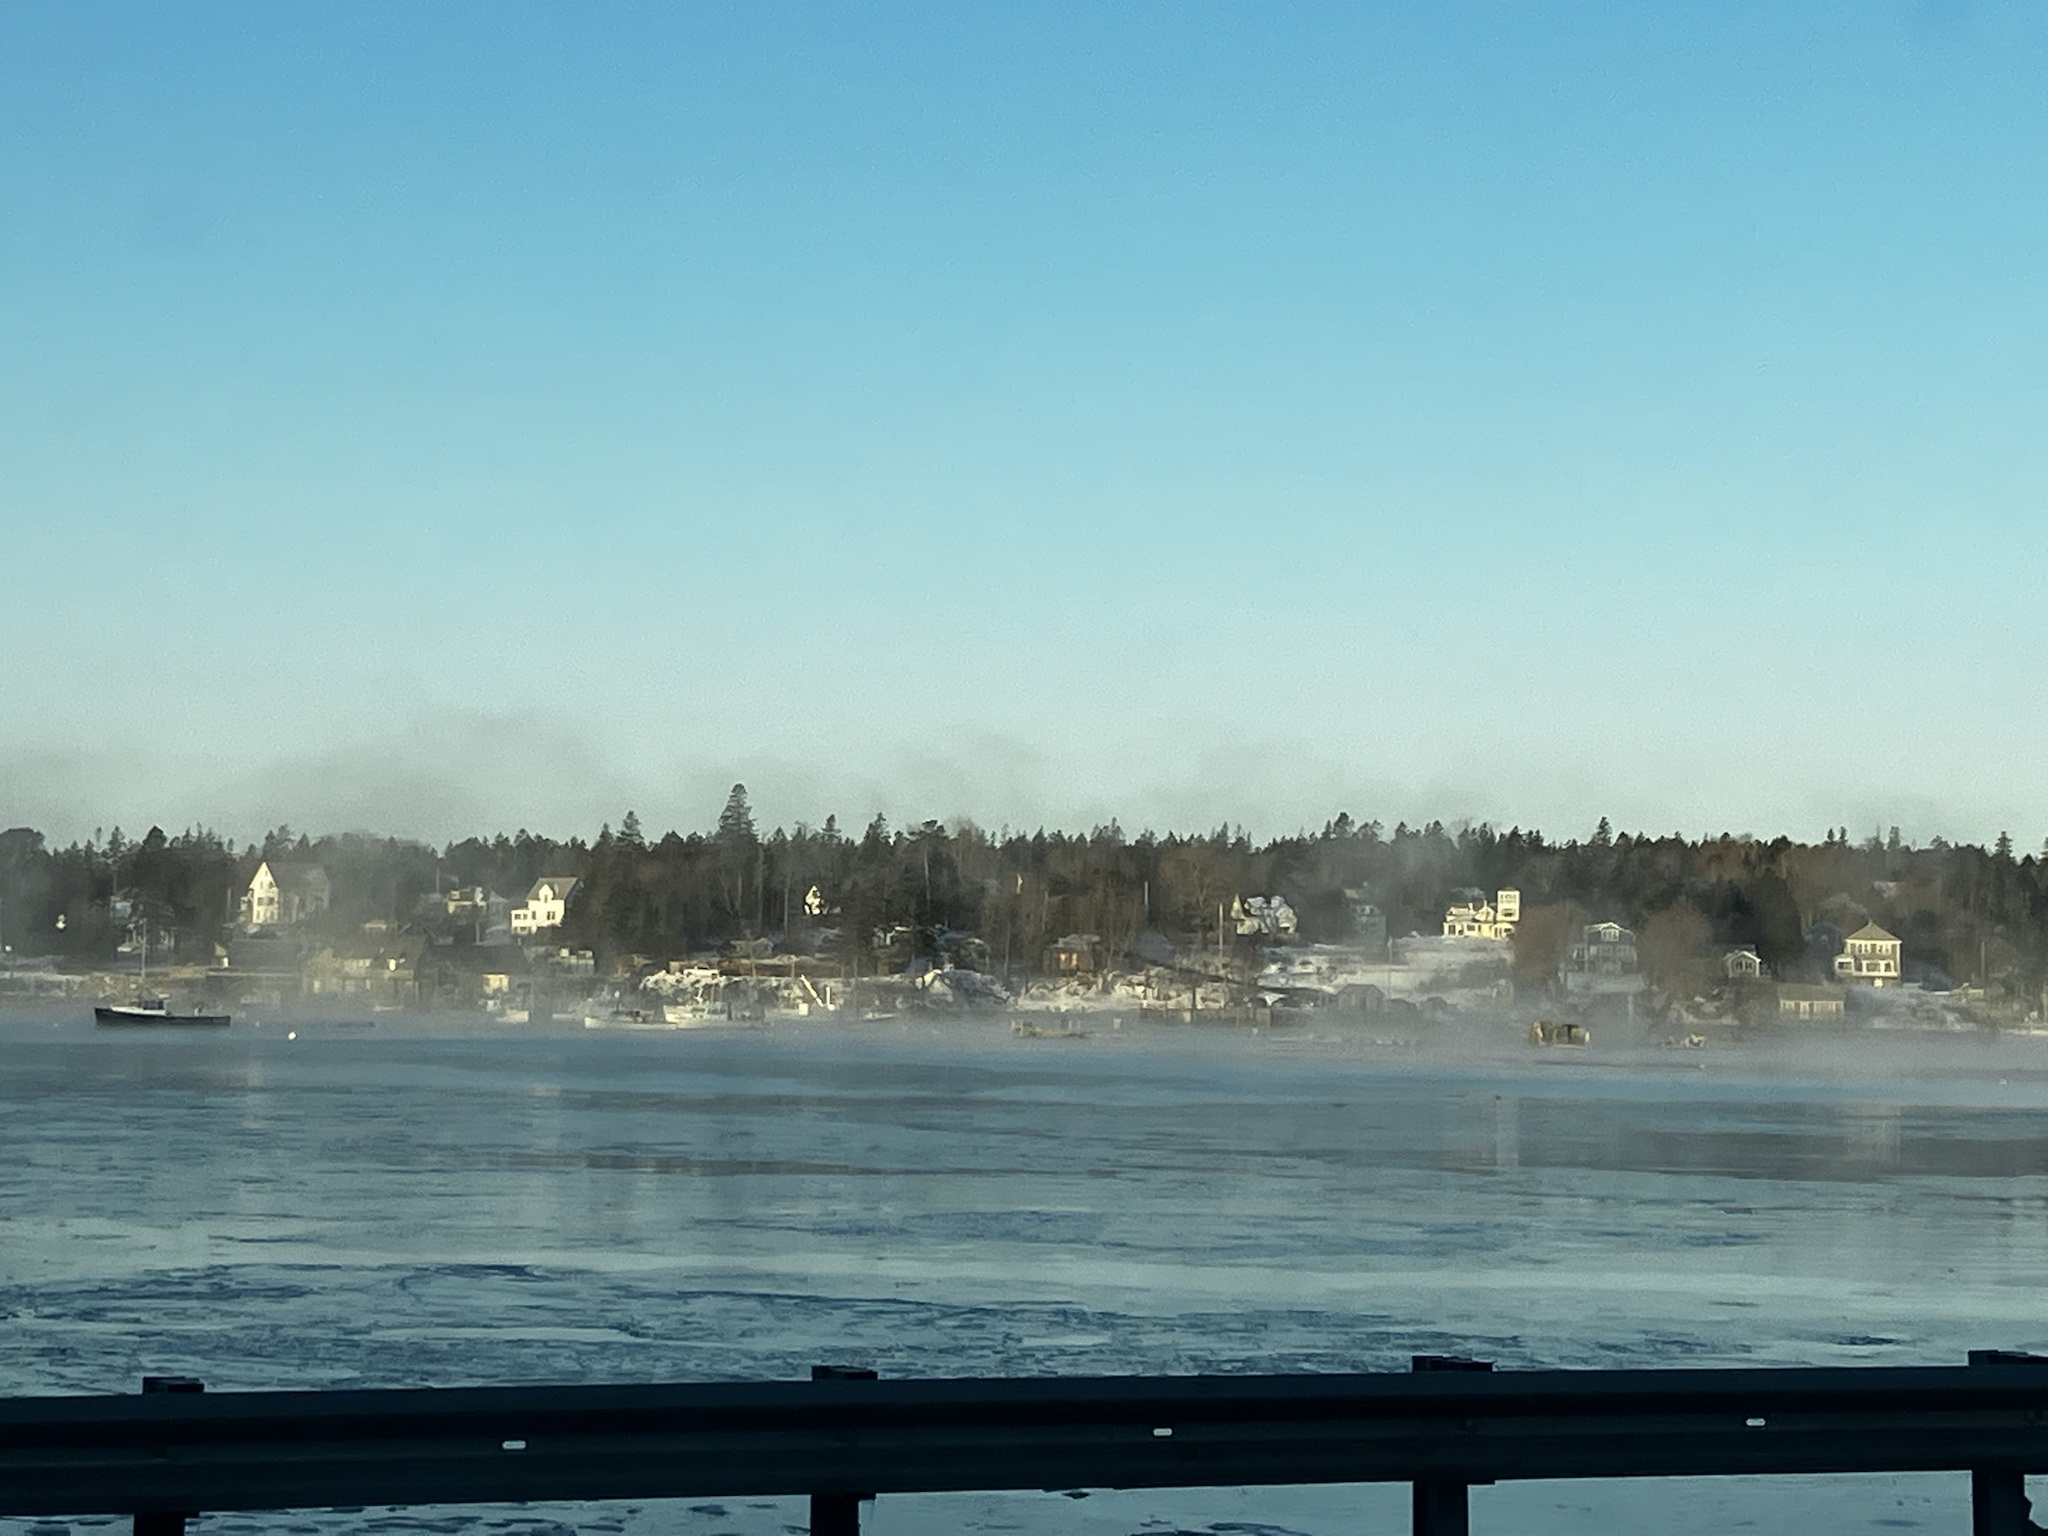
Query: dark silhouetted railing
point(845, 1436)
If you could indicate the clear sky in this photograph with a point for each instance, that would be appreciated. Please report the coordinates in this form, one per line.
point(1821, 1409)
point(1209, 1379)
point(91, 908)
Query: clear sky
point(433, 417)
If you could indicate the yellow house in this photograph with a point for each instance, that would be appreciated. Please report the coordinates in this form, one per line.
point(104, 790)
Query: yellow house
point(1495, 920)
point(1870, 957)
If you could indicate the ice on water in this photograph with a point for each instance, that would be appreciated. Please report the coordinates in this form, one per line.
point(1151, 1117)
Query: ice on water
point(438, 1206)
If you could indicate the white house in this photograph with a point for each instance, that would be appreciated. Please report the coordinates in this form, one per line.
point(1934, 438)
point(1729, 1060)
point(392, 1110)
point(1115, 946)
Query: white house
point(1870, 958)
point(1484, 920)
point(545, 905)
point(281, 894)
point(1267, 915)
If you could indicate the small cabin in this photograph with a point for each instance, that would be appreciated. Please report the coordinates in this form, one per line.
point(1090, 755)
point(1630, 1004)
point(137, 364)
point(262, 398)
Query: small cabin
point(1743, 965)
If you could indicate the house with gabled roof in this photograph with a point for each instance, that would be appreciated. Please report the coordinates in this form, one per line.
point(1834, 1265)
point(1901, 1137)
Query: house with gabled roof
point(1743, 964)
point(1482, 919)
point(280, 894)
point(546, 905)
point(1870, 957)
point(1605, 949)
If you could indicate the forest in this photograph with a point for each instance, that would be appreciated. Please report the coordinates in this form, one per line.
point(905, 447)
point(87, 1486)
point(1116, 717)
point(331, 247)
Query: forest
point(888, 894)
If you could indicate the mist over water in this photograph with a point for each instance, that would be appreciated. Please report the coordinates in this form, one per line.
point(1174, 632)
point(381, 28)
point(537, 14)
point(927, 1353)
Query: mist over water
point(440, 1204)
point(1051, 464)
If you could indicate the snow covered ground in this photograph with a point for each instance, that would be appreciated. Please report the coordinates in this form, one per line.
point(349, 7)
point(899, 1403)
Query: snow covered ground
point(1463, 972)
point(443, 1204)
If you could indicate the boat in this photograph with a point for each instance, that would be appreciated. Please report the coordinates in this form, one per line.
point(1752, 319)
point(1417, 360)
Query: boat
point(623, 1018)
point(703, 1014)
point(668, 1016)
point(156, 1011)
point(1552, 1032)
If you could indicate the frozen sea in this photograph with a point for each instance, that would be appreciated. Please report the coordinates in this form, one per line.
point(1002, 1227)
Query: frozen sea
point(437, 1204)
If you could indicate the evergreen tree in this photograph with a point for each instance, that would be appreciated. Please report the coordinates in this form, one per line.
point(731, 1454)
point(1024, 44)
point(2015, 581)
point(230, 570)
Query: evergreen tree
point(736, 821)
point(739, 857)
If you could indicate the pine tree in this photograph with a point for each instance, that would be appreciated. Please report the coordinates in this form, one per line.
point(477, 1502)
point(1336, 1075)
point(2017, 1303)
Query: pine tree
point(736, 821)
point(738, 854)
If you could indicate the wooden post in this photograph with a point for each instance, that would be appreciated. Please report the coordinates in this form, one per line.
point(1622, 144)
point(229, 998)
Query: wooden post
point(1441, 1506)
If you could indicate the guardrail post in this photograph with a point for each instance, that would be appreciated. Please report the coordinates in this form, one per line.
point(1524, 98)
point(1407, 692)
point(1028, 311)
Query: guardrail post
point(1441, 1508)
point(159, 1522)
point(1441, 1505)
point(1999, 1505)
point(835, 1514)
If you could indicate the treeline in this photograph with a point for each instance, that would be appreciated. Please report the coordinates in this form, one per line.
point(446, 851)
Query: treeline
point(181, 893)
point(886, 894)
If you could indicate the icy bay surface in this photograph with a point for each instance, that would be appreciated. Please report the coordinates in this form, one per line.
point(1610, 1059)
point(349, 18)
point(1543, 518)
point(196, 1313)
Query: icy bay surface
point(439, 1205)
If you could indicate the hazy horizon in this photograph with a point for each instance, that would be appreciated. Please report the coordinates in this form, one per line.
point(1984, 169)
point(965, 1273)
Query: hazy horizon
point(433, 421)
point(851, 826)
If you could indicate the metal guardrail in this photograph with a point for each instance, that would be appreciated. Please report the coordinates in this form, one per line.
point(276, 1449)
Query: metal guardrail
point(845, 1436)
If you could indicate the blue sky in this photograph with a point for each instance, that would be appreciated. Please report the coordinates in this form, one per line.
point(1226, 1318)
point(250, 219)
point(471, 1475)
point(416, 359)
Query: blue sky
point(423, 418)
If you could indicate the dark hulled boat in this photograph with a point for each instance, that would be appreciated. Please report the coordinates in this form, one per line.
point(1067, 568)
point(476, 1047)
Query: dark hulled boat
point(156, 1011)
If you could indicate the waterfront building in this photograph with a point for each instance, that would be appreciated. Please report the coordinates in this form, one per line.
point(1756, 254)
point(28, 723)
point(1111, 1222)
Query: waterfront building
point(1870, 957)
point(546, 905)
point(1485, 920)
point(1800, 1001)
